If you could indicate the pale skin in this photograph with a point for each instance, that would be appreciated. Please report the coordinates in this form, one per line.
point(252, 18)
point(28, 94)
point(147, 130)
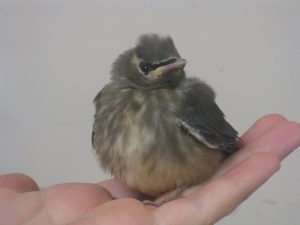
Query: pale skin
point(265, 144)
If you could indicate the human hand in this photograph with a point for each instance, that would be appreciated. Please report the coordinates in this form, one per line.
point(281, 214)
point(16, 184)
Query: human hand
point(267, 142)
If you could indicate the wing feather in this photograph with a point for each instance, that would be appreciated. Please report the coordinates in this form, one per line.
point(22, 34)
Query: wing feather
point(203, 119)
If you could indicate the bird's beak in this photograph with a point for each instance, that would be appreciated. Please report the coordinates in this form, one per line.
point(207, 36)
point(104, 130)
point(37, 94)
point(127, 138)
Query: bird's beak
point(178, 64)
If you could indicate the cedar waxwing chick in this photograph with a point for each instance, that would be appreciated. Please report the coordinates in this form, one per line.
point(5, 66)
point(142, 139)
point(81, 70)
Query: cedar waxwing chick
point(154, 129)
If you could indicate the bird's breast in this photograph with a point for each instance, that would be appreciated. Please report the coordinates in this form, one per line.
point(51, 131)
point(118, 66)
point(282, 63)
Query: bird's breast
point(133, 126)
point(146, 120)
point(139, 141)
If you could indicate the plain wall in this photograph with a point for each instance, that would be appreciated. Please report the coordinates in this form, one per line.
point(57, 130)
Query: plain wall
point(56, 55)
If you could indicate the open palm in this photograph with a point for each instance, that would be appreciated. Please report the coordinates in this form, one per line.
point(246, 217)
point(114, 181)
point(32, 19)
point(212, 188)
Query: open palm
point(265, 144)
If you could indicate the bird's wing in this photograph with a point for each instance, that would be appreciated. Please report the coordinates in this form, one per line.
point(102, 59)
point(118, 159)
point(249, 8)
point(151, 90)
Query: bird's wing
point(203, 119)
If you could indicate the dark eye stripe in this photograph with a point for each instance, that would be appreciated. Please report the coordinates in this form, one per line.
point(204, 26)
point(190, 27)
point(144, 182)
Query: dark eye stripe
point(163, 63)
point(147, 67)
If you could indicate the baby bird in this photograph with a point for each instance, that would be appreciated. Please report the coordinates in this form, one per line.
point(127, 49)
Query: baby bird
point(154, 129)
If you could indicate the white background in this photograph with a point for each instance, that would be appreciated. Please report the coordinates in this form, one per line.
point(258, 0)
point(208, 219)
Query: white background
point(56, 55)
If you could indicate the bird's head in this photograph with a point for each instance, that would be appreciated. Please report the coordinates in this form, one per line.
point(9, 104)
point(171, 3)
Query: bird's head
point(153, 63)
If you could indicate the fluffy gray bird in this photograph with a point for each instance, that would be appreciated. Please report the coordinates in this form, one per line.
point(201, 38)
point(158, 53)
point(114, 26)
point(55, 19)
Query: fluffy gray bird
point(154, 129)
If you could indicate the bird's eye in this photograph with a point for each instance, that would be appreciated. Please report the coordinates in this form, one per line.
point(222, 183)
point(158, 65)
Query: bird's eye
point(145, 67)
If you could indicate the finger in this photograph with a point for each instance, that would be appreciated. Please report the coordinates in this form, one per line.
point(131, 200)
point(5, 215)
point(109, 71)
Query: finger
point(18, 182)
point(118, 190)
point(281, 140)
point(222, 195)
point(64, 203)
point(261, 126)
point(258, 129)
